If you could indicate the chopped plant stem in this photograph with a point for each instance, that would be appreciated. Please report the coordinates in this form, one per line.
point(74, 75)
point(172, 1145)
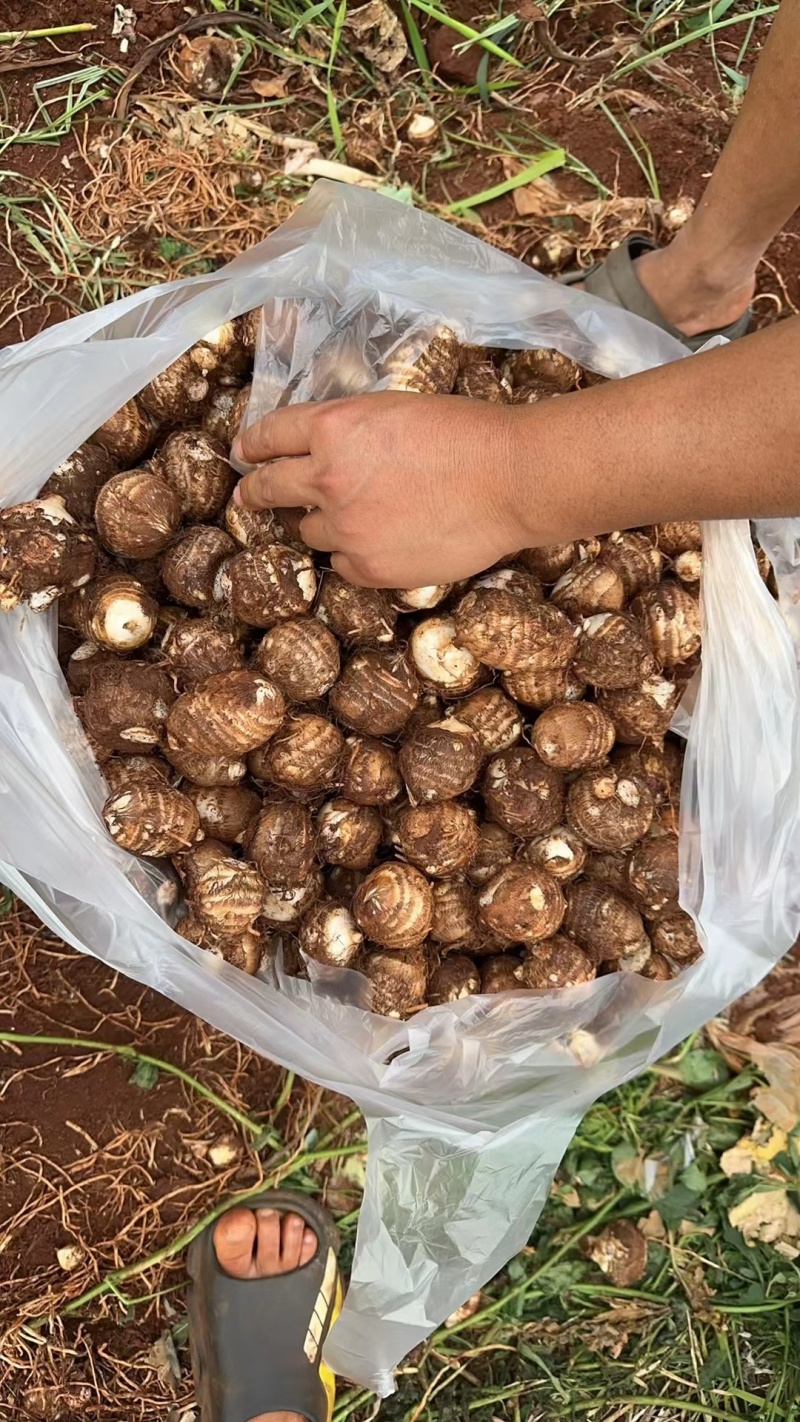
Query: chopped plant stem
point(16, 36)
point(111, 1281)
point(133, 1054)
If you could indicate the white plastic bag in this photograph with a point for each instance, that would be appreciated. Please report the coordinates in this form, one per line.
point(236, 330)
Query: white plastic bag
point(469, 1107)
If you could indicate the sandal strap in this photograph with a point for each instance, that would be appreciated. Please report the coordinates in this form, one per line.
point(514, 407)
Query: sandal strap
point(615, 280)
point(257, 1343)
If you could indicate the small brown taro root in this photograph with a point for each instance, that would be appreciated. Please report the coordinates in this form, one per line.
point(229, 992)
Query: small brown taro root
point(245, 951)
point(230, 714)
point(286, 522)
point(675, 936)
point(439, 839)
point(305, 756)
point(455, 913)
point(688, 566)
point(79, 479)
point(511, 633)
point(440, 761)
point(544, 688)
point(398, 982)
point(481, 380)
point(522, 904)
point(495, 850)
point(250, 528)
point(641, 712)
point(548, 367)
point(207, 770)
point(301, 656)
point(169, 615)
point(198, 648)
point(264, 586)
point(115, 612)
point(573, 737)
point(606, 867)
point(370, 775)
point(330, 934)
point(222, 351)
point(675, 538)
point(608, 810)
point(228, 896)
point(621, 1252)
point(612, 651)
point(348, 834)
point(153, 819)
point(454, 978)
point(635, 558)
point(671, 615)
point(561, 853)
point(190, 566)
point(376, 692)
point(147, 571)
point(634, 959)
point(443, 665)
point(500, 973)
point(361, 616)
point(280, 842)
point(137, 514)
point(394, 906)
point(428, 710)
point(205, 65)
point(126, 705)
point(178, 395)
point(341, 884)
point(653, 882)
point(493, 718)
point(123, 771)
point(420, 599)
point(555, 963)
point(82, 663)
point(657, 968)
point(522, 584)
point(523, 795)
point(126, 435)
point(606, 925)
point(426, 365)
point(550, 562)
point(193, 862)
point(196, 467)
point(283, 908)
point(220, 412)
point(43, 554)
point(591, 585)
point(660, 766)
point(226, 812)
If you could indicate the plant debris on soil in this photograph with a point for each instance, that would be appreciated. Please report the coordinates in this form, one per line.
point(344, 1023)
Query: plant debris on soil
point(126, 1123)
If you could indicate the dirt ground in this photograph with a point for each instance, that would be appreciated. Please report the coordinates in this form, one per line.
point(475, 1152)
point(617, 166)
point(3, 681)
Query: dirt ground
point(675, 113)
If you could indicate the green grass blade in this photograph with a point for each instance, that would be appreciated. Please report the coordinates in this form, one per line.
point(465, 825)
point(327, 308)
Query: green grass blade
point(415, 37)
point(466, 32)
point(545, 163)
point(709, 29)
point(14, 36)
point(646, 163)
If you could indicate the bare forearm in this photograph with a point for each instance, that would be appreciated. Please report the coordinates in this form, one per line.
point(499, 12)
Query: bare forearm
point(714, 436)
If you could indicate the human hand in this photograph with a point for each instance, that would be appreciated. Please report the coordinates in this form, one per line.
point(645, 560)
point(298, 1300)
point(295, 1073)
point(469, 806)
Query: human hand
point(404, 490)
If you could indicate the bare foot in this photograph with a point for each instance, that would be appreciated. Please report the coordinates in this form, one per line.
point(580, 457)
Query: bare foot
point(690, 299)
point(252, 1244)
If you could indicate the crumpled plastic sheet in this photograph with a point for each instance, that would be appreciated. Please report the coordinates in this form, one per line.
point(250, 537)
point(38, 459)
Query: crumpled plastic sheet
point(469, 1107)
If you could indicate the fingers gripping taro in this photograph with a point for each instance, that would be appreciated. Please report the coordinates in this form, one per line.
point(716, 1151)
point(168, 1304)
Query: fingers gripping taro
point(432, 841)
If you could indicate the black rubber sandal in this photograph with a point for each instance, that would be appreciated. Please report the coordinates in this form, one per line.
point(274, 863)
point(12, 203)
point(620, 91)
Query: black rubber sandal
point(256, 1344)
point(615, 280)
